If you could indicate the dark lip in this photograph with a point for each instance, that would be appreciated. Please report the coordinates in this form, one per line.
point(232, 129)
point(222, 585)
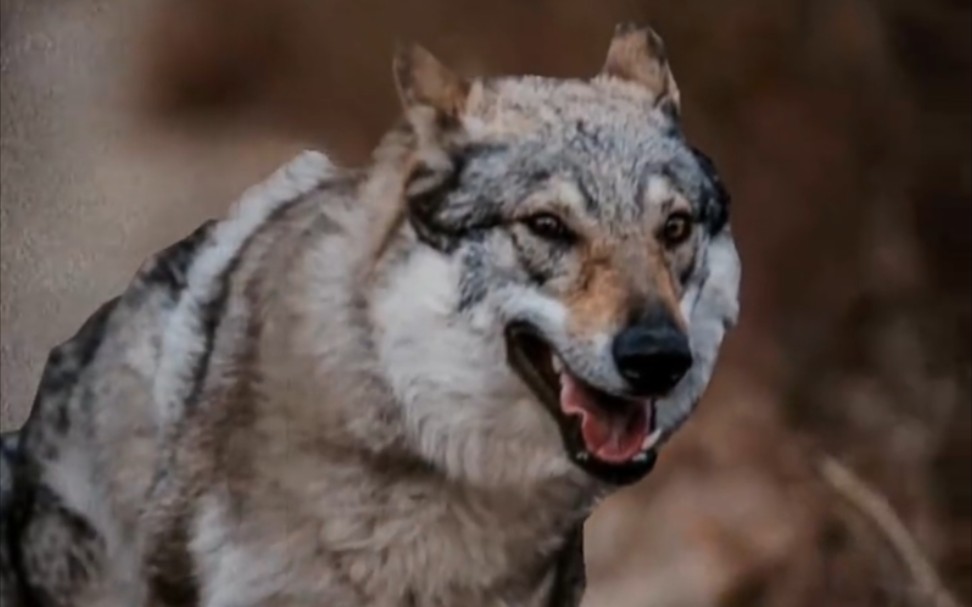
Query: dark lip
point(529, 355)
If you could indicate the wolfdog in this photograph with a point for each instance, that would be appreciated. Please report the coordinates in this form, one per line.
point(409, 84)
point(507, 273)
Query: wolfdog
point(402, 385)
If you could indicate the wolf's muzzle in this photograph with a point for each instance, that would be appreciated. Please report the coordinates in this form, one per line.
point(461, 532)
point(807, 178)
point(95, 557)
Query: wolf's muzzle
point(652, 356)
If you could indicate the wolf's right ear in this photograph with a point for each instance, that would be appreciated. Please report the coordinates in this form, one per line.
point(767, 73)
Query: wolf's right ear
point(637, 54)
point(433, 96)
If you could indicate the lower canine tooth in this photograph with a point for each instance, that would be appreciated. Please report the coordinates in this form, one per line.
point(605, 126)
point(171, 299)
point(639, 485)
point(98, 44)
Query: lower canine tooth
point(641, 458)
point(582, 456)
point(651, 440)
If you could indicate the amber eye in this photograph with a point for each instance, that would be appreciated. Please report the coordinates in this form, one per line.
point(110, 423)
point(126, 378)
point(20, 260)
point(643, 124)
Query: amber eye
point(548, 226)
point(677, 229)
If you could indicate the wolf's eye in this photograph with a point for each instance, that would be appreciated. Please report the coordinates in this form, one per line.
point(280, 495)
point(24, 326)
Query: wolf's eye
point(546, 225)
point(677, 229)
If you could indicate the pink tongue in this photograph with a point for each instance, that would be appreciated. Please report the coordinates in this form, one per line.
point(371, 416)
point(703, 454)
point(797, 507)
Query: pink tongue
point(611, 436)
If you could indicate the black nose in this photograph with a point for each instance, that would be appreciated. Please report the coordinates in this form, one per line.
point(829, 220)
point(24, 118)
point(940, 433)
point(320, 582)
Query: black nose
point(653, 357)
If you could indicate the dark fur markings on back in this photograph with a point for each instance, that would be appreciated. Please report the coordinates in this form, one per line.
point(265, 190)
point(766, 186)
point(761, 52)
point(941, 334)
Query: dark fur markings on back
point(50, 553)
point(171, 571)
point(170, 267)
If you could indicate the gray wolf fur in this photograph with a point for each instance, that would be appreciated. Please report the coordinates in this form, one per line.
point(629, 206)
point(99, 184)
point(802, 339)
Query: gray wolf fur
point(402, 385)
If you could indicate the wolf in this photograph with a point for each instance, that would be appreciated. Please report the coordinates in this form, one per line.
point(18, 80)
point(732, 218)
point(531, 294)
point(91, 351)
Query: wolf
point(402, 385)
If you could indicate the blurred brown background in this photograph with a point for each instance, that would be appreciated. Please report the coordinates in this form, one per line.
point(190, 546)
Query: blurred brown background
point(841, 126)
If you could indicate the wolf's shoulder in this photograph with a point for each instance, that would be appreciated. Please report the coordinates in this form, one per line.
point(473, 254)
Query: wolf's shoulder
point(159, 328)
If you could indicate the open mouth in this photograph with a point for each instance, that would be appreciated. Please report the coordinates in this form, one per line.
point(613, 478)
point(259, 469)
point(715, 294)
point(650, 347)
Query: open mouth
point(609, 436)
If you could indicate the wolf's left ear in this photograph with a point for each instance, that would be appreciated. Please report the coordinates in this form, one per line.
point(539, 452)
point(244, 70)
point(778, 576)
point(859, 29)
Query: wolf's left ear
point(638, 55)
point(432, 95)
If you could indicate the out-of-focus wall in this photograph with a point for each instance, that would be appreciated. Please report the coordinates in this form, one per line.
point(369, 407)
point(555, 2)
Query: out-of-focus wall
point(841, 126)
